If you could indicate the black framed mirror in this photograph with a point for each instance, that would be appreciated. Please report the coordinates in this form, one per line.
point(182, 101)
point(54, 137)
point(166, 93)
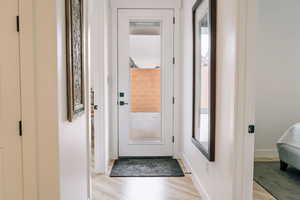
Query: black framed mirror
point(204, 76)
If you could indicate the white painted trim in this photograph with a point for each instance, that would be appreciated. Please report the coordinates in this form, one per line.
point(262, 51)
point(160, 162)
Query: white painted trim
point(146, 4)
point(98, 65)
point(199, 186)
point(28, 101)
point(87, 84)
point(244, 110)
point(113, 78)
point(266, 153)
point(177, 83)
point(113, 83)
point(38, 129)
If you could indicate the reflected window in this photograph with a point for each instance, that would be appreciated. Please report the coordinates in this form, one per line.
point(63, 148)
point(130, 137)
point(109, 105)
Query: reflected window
point(202, 84)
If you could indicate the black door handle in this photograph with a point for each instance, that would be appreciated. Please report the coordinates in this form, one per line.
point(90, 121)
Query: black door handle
point(122, 103)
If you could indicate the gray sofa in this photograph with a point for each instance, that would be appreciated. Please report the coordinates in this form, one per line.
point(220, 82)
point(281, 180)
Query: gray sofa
point(288, 155)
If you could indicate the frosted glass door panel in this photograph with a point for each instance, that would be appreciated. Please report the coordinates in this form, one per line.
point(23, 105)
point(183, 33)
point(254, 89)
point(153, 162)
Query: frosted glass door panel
point(145, 92)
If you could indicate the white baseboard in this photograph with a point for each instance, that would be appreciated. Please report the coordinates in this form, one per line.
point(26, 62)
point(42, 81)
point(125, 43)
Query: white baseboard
point(266, 153)
point(195, 179)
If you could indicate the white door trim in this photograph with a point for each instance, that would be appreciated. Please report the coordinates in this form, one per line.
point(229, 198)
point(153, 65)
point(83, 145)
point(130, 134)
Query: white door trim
point(97, 26)
point(113, 77)
point(144, 4)
point(244, 110)
point(28, 101)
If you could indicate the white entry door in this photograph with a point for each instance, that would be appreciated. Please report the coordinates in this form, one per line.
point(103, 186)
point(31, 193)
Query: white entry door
point(10, 141)
point(145, 82)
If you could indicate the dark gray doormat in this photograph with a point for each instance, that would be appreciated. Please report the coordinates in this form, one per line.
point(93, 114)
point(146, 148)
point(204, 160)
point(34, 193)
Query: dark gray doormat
point(283, 185)
point(146, 167)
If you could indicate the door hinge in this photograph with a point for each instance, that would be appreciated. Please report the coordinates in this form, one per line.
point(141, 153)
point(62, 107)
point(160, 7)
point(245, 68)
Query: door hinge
point(18, 23)
point(20, 128)
point(173, 20)
point(173, 100)
point(251, 129)
point(174, 60)
point(173, 139)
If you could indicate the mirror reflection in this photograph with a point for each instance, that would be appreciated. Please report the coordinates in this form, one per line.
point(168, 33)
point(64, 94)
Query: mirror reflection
point(202, 84)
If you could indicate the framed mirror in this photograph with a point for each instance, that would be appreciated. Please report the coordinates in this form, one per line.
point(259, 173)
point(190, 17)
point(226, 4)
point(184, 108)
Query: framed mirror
point(204, 76)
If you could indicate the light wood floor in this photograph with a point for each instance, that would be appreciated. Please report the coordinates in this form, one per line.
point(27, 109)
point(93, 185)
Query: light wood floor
point(259, 193)
point(171, 188)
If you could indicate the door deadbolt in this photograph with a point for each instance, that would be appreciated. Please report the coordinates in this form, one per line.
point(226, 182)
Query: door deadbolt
point(122, 94)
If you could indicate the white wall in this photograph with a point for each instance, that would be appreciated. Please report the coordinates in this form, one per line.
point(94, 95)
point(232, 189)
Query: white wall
point(277, 72)
point(213, 179)
point(73, 137)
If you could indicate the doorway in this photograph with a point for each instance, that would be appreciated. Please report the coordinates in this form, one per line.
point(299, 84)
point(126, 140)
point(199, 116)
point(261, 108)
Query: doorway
point(145, 82)
point(277, 101)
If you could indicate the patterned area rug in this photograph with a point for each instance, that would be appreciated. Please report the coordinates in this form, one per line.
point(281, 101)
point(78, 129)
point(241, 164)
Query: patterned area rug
point(283, 185)
point(146, 167)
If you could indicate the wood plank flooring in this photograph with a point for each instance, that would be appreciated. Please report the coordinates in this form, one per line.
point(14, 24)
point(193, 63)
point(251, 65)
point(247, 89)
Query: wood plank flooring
point(259, 193)
point(179, 188)
point(171, 188)
point(144, 188)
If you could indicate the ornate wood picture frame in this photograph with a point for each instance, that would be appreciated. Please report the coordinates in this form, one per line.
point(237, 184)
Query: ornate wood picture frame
point(204, 76)
point(74, 55)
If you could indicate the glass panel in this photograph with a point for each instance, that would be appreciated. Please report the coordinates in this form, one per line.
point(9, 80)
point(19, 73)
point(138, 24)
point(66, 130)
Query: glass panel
point(202, 84)
point(145, 96)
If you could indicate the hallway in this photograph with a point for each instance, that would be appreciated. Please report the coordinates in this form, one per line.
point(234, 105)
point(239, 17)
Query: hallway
point(103, 80)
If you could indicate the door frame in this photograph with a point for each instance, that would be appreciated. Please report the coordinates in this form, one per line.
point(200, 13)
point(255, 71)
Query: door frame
point(28, 101)
point(113, 73)
point(97, 26)
point(245, 102)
